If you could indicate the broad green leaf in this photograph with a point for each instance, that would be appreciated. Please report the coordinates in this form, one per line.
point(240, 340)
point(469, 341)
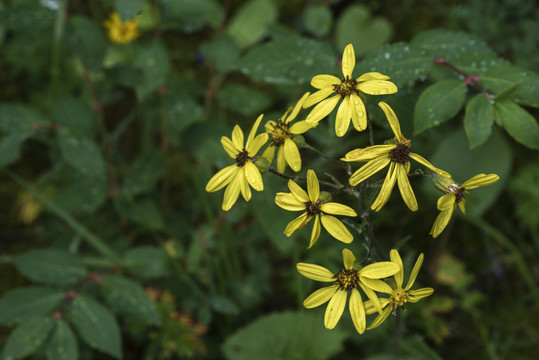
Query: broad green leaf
point(128, 9)
point(82, 153)
point(189, 16)
point(478, 120)
point(82, 194)
point(223, 305)
point(498, 79)
point(127, 297)
point(153, 60)
point(519, 123)
point(27, 337)
point(291, 60)
point(51, 266)
point(144, 173)
point(508, 93)
point(242, 99)
point(62, 344)
point(183, 111)
point(250, 23)
point(403, 63)
point(143, 211)
point(77, 116)
point(21, 304)
point(284, 336)
point(146, 262)
point(96, 325)
point(357, 26)
point(223, 52)
point(10, 149)
point(438, 103)
point(86, 41)
point(317, 20)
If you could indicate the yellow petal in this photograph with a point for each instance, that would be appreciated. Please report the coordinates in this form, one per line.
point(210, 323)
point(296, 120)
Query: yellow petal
point(336, 228)
point(323, 109)
point(295, 224)
point(405, 188)
point(316, 231)
point(385, 191)
point(348, 61)
point(358, 112)
point(315, 272)
point(244, 185)
point(369, 307)
point(424, 162)
point(416, 295)
point(320, 296)
point(301, 127)
point(441, 222)
point(237, 137)
point(446, 201)
point(298, 192)
point(253, 176)
point(372, 76)
point(253, 132)
point(269, 153)
point(232, 192)
point(396, 258)
point(291, 154)
point(335, 309)
point(325, 81)
point(392, 118)
point(480, 180)
point(357, 311)
point(377, 87)
point(313, 187)
point(348, 259)
point(269, 126)
point(229, 147)
point(255, 145)
point(461, 206)
point(369, 169)
point(377, 285)
point(337, 209)
point(344, 114)
point(379, 270)
point(318, 96)
point(372, 296)
point(415, 271)
point(369, 153)
point(222, 178)
point(288, 202)
point(296, 109)
point(380, 318)
point(281, 160)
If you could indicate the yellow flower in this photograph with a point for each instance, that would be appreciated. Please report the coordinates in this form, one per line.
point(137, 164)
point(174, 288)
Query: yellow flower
point(345, 281)
point(285, 137)
point(395, 155)
point(454, 195)
point(244, 172)
point(317, 205)
point(348, 89)
point(397, 295)
point(121, 32)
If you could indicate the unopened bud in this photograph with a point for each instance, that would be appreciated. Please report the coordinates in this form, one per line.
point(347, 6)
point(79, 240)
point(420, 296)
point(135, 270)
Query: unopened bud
point(261, 163)
point(442, 183)
point(324, 197)
point(299, 140)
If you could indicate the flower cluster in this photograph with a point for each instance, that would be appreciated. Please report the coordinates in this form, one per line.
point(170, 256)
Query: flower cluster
point(121, 32)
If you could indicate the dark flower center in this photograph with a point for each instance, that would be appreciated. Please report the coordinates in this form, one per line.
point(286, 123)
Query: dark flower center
point(347, 279)
point(280, 133)
point(459, 194)
point(400, 154)
point(242, 158)
point(346, 87)
point(313, 209)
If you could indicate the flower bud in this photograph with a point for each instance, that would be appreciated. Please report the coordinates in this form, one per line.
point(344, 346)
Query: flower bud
point(261, 163)
point(299, 140)
point(324, 197)
point(443, 184)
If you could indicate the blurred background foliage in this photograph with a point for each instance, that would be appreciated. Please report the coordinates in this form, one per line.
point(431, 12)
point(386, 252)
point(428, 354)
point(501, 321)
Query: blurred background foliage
point(111, 248)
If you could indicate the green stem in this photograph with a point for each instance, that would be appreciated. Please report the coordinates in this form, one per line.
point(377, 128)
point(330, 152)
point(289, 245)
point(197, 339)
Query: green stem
point(58, 33)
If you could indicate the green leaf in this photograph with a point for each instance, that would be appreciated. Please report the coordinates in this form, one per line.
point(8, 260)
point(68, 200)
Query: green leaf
point(21, 304)
point(62, 344)
point(284, 336)
point(86, 41)
point(96, 325)
point(127, 297)
point(525, 194)
point(251, 22)
point(82, 153)
point(519, 123)
point(508, 93)
point(10, 149)
point(357, 26)
point(438, 103)
point(77, 116)
point(143, 211)
point(317, 20)
point(183, 111)
point(144, 173)
point(242, 99)
point(27, 337)
point(499, 79)
point(51, 266)
point(292, 60)
point(223, 305)
point(478, 120)
point(189, 15)
point(153, 60)
point(146, 262)
point(128, 9)
point(82, 194)
point(403, 63)
point(223, 52)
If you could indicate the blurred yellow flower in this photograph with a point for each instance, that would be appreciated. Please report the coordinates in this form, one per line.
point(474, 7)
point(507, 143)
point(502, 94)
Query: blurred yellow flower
point(119, 31)
point(285, 137)
point(395, 155)
point(244, 172)
point(348, 89)
point(397, 295)
point(455, 196)
point(317, 205)
point(29, 207)
point(345, 281)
